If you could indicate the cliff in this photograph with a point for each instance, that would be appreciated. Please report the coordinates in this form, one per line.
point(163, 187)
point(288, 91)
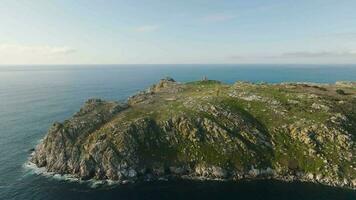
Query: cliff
point(210, 130)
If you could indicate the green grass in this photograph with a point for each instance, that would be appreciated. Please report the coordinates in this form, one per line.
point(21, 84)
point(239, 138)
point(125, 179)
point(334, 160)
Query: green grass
point(239, 148)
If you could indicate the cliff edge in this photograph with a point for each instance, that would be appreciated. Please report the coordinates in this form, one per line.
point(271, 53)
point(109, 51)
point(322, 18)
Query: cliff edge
point(210, 130)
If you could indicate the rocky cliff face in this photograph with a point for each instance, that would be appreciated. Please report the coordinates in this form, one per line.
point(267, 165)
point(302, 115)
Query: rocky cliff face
point(210, 130)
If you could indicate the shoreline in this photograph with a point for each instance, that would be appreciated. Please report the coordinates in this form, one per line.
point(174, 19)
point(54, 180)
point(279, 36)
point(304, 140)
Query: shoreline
point(94, 183)
point(115, 135)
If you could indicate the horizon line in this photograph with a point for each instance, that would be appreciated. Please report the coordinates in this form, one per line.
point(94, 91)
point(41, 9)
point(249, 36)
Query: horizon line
point(91, 64)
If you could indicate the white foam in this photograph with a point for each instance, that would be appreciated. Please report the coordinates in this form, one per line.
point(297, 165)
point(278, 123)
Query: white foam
point(95, 183)
point(32, 168)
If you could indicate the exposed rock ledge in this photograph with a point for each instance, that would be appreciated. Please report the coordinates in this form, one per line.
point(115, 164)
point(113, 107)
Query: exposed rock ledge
point(209, 130)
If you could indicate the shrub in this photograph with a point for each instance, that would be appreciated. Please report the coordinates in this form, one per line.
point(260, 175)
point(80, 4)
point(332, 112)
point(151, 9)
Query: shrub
point(341, 92)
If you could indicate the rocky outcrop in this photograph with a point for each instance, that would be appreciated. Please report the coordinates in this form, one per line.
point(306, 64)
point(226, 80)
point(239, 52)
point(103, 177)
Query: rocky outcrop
point(60, 149)
point(209, 130)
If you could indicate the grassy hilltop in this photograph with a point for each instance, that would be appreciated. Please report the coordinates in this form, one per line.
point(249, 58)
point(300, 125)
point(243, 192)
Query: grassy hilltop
point(207, 129)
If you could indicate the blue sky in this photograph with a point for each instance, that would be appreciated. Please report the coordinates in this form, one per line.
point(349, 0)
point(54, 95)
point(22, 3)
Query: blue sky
point(180, 31)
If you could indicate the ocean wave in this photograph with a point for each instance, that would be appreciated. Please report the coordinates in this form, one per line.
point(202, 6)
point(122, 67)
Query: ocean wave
point(32, 168)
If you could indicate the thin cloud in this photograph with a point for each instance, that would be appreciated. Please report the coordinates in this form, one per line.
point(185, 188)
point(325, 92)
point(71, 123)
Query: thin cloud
point(222, 17)
point(36, 49)
point(342, 35)
point(347, 35)
point(236, 57)
point(218, 18)
point(299, 54)
point(306, 54)
point(147, 28)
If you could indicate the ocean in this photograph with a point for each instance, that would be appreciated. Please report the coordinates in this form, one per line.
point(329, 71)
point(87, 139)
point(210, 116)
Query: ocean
point(33, 97)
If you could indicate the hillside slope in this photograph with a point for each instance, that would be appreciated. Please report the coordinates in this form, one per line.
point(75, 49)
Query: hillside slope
point(211, 130)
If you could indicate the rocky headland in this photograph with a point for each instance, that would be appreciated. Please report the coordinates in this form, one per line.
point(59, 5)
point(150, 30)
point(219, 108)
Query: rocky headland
point(210, 130)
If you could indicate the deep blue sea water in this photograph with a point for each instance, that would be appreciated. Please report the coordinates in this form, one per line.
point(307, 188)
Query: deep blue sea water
point(33, 97)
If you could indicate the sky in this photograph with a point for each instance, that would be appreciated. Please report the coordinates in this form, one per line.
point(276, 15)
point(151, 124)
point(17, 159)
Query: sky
point(177, 32)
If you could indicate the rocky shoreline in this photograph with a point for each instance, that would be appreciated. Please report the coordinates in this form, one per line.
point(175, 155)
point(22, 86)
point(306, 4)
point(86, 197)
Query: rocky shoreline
point(207, 130)
point(210, 174)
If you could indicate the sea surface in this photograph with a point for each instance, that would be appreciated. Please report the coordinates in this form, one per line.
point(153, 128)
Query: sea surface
point(33, 97)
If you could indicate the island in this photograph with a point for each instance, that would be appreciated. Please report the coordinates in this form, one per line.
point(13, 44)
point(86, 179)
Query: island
point(209, 130)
